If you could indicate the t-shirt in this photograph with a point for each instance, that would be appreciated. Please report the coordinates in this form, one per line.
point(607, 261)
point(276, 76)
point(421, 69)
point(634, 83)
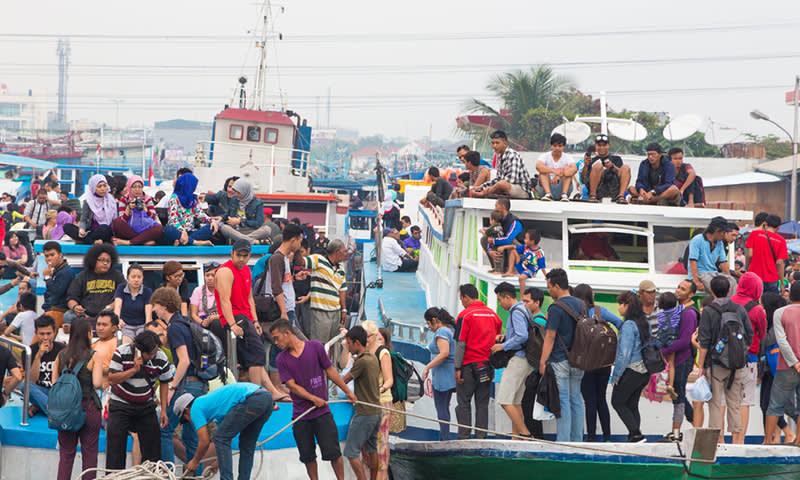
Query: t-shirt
point(564, 325)
point(549, 162)
point(383, 352)
point(46, 363)
point(366, 373)
point(132, 311)
point(615, 159)
point(179, 334)
point(280, 279)
point(412, 243)
point(707, 258)
point(763, 263)
point(25, 322)
point(307, 371)
point(391, 255)
point(301, 287)
point(327, 280)
point(197, 300)
point(7, 361)
point(530, 260)
point(213, 406)
point(443, 375)
point(442, 188)
point(479, 326)
point(140, 387)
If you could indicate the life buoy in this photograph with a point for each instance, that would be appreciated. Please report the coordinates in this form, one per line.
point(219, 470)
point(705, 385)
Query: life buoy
point(109, 153)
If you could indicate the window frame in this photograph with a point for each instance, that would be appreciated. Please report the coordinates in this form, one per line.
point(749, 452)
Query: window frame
point(272, 130)
point(230, 131)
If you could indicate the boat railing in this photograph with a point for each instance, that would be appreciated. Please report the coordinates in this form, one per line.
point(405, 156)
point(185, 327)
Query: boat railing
point(26, 387)
point(277, 159)
point(407, 332)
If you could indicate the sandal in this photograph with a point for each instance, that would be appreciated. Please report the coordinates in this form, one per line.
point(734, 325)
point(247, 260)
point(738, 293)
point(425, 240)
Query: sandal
point(284, 399)
point(621, 199)
point(593, 199)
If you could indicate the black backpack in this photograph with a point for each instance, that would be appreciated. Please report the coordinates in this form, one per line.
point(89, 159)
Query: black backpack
point(210, 361)
point(594, 343)
point(535, 344)
point(651, 354)
point(730, 351)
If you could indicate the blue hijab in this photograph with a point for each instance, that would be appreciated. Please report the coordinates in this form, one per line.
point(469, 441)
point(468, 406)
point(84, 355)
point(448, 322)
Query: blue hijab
point(184, 190)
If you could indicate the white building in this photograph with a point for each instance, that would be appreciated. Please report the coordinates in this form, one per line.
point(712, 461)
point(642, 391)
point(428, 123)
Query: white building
point(23, 112)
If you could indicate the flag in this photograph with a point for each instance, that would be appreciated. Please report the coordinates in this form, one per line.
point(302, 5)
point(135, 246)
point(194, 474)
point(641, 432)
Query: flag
point(151, 181)
point(97, 154)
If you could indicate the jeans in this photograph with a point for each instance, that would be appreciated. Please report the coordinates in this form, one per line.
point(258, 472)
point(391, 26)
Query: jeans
point(569, 427)
point(442, 402)
point(625, 399)
point(38, 397)
point(681, 407)
point(464, 393)
point(102, 232)
point(189, 435)
point(593, 389)
point(203, 233)
point(408, 265)
point(131, 417)
point(245, 420)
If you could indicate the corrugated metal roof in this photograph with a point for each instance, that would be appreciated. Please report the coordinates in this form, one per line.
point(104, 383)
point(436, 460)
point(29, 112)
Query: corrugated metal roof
point(741, 179)
point(255, 116)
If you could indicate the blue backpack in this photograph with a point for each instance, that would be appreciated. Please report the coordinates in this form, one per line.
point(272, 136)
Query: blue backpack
point(64, 410)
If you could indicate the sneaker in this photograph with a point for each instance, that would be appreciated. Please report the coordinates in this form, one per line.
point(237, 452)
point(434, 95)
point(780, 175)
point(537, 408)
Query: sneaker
point(547, 198)
point(638, 438)
point(576, 196)
point(564, 197)
point(671, 438)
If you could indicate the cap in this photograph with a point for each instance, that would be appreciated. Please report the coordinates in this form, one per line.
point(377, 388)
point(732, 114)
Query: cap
point(653, 147)
point(601, 138)
point(181, 403)
point(388, 231)
point(242, 245)
point(647, 286)
point(267, 211)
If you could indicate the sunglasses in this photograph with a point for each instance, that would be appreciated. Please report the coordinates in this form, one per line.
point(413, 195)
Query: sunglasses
point(210, 266)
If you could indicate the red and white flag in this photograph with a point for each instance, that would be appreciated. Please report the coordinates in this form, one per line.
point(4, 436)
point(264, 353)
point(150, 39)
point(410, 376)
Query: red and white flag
point(151, 181)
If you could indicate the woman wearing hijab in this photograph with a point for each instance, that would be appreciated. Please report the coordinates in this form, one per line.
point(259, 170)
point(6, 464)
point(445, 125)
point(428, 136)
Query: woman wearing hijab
point(98, 211)
point(390, 211)
point(63, 218)
point(138, 222)
point(188, 225)
point(245, 217)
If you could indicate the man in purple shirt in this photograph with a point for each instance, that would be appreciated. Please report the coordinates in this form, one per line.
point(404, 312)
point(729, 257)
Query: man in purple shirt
point(684, 360)
point(303, 367)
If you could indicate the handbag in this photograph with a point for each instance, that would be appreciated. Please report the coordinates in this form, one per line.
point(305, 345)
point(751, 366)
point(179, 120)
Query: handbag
point(140, 221)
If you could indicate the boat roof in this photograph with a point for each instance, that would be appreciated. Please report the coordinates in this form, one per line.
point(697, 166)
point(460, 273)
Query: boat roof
point(305, 197)
point(19, 161)
point(247, 115)
point(157, 250)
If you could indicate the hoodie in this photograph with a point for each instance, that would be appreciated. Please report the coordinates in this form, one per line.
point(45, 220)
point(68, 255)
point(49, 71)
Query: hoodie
point(750, 289)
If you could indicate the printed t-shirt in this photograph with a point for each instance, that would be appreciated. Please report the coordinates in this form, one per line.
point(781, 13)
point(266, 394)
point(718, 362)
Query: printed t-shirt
point(307, 371)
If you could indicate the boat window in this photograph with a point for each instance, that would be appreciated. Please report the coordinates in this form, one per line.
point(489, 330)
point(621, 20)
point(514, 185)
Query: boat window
point(599, 241)
point(551, 241)
point(270, 135)
point(253, 134)
point(236, 132)
point(672, 248)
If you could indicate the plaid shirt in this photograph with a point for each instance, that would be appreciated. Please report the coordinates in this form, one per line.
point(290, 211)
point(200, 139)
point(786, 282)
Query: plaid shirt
point(512, 169)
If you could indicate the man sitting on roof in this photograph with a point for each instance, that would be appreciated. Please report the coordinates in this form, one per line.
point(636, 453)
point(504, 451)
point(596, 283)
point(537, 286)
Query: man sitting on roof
point(556, 171)
point(606, 175)
point(440, 190)
point(512, 178)
point(687, 180)
point(655, 183)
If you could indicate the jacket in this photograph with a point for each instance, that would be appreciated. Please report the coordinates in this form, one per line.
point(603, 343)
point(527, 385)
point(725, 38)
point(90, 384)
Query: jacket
point(512, 230)
point(666, 176)
point(253, 212)
point(748, 290)
point(219, 201)
point(517, 330)
point(55, 294)
point(629, 348)
point(711, 323)
point(547, 392)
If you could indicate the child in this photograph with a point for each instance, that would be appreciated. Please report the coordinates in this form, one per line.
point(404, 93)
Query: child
point(527, 259)
point(462, 187)
point(669, 320)
point(412, 243)
point(495, 230)
point(24, 322)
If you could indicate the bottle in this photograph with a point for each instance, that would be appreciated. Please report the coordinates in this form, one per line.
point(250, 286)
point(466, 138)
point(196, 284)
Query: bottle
point(204, 362)
point(720, 345)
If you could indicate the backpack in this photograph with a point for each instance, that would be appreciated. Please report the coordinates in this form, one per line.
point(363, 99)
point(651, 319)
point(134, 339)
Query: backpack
point(730, 350)
point(64, 410)
point(535, 344)
point(651, 354)
point(594, 343)
point(402, 372)
point(210, 361)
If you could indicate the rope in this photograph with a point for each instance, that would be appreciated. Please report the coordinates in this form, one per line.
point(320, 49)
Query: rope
point(148, 470)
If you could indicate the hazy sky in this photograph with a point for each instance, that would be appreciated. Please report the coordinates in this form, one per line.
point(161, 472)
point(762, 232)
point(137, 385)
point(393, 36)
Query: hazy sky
point(400, 68)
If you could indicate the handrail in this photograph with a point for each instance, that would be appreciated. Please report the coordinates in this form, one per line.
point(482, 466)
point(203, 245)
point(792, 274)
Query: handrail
point(26, 388)
point(401, 327)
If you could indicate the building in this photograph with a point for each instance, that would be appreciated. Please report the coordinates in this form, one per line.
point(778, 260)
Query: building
point(23, 112)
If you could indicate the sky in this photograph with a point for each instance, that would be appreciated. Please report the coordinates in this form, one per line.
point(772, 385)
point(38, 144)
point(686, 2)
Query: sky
point(404, 68)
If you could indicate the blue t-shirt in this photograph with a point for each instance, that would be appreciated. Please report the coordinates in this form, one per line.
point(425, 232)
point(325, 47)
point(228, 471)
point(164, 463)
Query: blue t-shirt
point(706, 257)
point(132, 312)
point(443, 376)
point(606, 315)
point(564, 325)
point(530, 260)
point(179, 334)
point(212, 407)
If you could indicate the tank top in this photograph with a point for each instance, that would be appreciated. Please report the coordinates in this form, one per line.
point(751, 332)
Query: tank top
point(240, 293)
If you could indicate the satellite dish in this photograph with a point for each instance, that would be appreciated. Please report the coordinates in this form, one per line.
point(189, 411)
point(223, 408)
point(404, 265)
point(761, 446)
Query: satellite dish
point(627, 130)
point(721, 134)
point(682, 127)
point(576, 132)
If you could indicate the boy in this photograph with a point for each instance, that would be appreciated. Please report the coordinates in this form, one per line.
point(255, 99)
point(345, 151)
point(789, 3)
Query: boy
point(106, 344)
point(25, 319)
point(527, 259)
point(405, 223)
point(412, 244)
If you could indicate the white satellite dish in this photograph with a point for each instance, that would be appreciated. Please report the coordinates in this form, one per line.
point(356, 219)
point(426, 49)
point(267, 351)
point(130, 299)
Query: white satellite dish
point(682, 127)
point(576, 132)
point(718, 134)
point(627, 130)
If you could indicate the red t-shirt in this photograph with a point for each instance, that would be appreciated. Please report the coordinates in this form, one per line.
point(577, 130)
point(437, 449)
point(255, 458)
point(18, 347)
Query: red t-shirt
point(763, 263)
point(240, 293)
point(479, 327)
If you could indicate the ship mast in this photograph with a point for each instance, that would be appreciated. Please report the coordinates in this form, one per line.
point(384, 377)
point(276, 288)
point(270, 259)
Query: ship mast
point(261, 74)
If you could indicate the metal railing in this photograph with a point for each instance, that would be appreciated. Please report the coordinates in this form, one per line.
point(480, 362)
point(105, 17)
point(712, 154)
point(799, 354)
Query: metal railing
point(232, 360)
point(26, 387)
point(408, 332)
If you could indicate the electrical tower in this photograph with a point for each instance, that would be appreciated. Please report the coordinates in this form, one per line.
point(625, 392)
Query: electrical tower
point(63, 51)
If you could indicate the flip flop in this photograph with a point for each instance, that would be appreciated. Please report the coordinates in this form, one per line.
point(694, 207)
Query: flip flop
point(284, 399)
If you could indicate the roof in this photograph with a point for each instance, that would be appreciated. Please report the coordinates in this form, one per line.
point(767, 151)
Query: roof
point(262, 116)
point(781, 166)
point(741, 179)
point(292, 197)
point(18, 161)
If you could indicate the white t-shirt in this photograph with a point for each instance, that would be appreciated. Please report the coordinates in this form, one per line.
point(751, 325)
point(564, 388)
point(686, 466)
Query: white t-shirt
point(25, 322)
point(547, 159)
point(53, 195)
point(391, 254)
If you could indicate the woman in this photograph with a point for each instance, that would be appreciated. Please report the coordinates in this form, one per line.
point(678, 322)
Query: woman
point(771, 302)
point(630, 375)
point(203, 305)
point(218, 203)
point(595, 382)
point(175, 277)
point(97, 213)
point(187, 224)
point(245, 216)
point(14, 249)
point(390, 211)
point(63, 218)
point(442, 364)
point(376, 346)
point(132, 304)
point(90, 376)
point(136, 225)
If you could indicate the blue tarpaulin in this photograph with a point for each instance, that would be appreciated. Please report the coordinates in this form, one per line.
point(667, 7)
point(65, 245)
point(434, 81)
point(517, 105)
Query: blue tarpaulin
point(18, 161)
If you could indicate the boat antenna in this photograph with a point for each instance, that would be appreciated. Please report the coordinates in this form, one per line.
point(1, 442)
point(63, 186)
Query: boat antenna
point(261, 74)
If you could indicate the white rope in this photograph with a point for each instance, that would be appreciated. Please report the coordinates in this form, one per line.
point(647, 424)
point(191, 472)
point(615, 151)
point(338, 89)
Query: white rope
point(148, 470)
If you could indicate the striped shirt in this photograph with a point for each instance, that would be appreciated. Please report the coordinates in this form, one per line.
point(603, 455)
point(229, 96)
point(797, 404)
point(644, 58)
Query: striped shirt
point(141, 386)
point(327, 281)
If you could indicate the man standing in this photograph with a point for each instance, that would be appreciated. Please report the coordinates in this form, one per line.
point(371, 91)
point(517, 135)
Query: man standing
point(279, 278)
point(303, 367)
point(238, 409)
point(724, 382)
point(569, 427)
point(705, 252)
point(655, 183)
point(608, 176)
point(328, 307)
point(36, 210)
point(766, 251)
point(512, 179)
point(477, 327)
point(512, 385)
point(556, 171)
point(647, 294)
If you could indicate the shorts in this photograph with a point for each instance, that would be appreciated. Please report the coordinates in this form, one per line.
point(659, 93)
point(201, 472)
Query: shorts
point(323, 429)
point(383, 436)
point(250, 349)
point(524, 271)
point(512, 383)
point(131, 331)
point(750, 398)
point(516, 191)
point(363, 432)
point(785, 388)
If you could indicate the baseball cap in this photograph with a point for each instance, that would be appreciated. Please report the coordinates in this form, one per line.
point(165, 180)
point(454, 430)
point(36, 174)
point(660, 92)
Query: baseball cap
point(241, 245)
point(181, 403)
point(647, 286)
point(388, 231)
point(601, 138)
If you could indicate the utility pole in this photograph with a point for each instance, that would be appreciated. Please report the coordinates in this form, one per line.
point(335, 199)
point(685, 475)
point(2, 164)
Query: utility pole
point(63, 49)
point(795, 139)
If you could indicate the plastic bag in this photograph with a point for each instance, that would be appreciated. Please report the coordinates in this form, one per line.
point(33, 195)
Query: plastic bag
point(700, 391)
point(541, 413)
